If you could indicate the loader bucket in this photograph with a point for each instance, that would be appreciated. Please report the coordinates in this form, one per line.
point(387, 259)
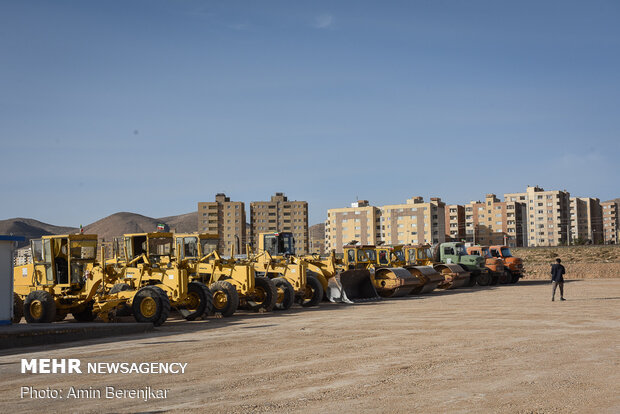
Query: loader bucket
point(455, 276)
point(392, 282)
point(351, 286)
point(429, 277)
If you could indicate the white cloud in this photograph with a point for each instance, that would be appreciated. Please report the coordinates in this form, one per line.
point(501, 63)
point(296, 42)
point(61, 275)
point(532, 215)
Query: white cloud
point(324, 21)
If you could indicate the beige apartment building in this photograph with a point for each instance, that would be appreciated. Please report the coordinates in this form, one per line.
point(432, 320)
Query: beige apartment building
point(226, 219)
point(317, 238)
point(411, 223)
point(611, 224)
point(492, 222)
point(547, 219)
point(586, 221)
point(280, 214)
point(455, 222)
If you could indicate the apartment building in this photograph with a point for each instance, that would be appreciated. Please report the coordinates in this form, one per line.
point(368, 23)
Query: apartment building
point(413, 222)
point(493, 221)
point(455, 222)
point(547, 219)
point(317, 238)
point(611, 224)
point(280, 214)
point(586, 221)
point(226, 219)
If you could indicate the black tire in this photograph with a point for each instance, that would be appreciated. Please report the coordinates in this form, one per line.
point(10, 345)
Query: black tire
point(514, 278)
point(85, 314)
point(42, 304)
point(225, 298)
point(18, 308)
point(285, 294)
point(505, 277)
point(151, 304)
point(484, 279)
point(313, 293)
point(123, 309)
point(201, 300)
point(264, 296)
point(494, 279)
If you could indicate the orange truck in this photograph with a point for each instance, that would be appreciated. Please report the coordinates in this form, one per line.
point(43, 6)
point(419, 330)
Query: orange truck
point(513, 265)
point(496, 266)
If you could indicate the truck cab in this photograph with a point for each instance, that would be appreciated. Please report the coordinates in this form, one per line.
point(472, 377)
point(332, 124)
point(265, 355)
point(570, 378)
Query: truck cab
point(512, 264)
point(495, 266)
point(456, 253)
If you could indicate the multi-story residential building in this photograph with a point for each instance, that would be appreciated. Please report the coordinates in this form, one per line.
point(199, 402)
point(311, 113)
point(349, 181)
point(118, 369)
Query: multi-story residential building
point(317, 238)
point(280, 214)
point(494, 222)
point(611, 224)
point(586, 221)
point(455, 222)
point(547, 220)
point(410, 223)
point(226, 219)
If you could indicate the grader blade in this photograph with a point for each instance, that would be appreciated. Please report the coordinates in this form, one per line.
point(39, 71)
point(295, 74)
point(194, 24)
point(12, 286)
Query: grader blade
point(351, 286)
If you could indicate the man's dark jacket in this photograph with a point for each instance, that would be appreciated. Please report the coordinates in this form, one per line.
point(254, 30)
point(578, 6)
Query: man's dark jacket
point(557, 272)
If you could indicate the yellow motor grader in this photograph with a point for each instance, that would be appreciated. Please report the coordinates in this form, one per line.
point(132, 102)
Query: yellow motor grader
point(147, 259)
point(65, 277)
point(233, 284)
point(405, 257)
point(388, 281)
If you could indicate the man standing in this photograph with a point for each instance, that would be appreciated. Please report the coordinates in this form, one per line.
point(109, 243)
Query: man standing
point(557, 279)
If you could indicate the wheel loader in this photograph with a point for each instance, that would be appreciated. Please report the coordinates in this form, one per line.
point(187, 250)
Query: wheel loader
point(147, 259)
point(405, 257)
point(454, 275)
point(496, 274)
point(341, 284)
point(65, 277)
point(234, 285)
point(512, 265)
point(388, 281)
point(456, 253)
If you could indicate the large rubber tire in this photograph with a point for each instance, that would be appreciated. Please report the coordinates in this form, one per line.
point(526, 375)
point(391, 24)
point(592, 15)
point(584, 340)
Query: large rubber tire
point(123, 309)
point(285, 293)
point(484, 279)
point(85, 314)
point(201, 300)
point(313, 293)
point(18, 308)
point(494, 279)
point(151, 304)
point(264, 296)
point(42, 304)
point(514, 278)
point(505, 278)
point(225, 298)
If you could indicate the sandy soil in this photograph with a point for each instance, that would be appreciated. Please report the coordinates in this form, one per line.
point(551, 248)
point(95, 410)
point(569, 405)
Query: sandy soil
point(505, 349)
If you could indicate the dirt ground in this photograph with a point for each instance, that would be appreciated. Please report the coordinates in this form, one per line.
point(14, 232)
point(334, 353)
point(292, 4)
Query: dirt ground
point(505, 349)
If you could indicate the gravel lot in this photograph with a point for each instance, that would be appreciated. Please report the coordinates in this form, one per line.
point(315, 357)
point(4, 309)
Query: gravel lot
point(500, 349)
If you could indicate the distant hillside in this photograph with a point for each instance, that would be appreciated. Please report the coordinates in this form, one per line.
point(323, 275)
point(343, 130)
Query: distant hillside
point(31, 228)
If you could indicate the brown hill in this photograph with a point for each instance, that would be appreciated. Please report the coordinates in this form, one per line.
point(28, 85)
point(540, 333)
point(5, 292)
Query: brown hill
point(31, 228)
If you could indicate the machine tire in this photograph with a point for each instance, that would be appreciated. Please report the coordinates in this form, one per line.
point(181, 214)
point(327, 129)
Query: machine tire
point(284, 292)
point(85, 314)
point(151, 304)
point(268, 291)
point(124, 309)
point(505, 278)
point(514, 278)
point(42, 304)
point(313, 292)
point(484, 279)
point(225, 298)
point(18, 308)
point(205, 299)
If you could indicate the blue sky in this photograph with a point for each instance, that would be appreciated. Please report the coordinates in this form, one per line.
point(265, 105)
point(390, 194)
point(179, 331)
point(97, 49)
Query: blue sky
point(152, 106)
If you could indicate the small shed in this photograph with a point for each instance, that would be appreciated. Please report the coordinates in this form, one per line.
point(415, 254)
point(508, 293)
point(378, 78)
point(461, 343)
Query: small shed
point(7, 244)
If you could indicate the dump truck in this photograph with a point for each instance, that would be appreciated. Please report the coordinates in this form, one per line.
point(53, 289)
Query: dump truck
point(496, 273)
point(233, 284)
point(405, 257)
point(148, 259)
point(65, 277)
point(513, 265)
point(388, 281)
point(276, 260)
point(456, 253)
point(454, 275)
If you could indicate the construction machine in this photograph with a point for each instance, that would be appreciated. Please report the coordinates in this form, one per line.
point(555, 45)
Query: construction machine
point(233, 284)
point(513, 265)
point(388, 281)
point(148, 259)
point(422, 255)
point(456, 253)
point(405, 257)
point(65, 277)
point(496, 267)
